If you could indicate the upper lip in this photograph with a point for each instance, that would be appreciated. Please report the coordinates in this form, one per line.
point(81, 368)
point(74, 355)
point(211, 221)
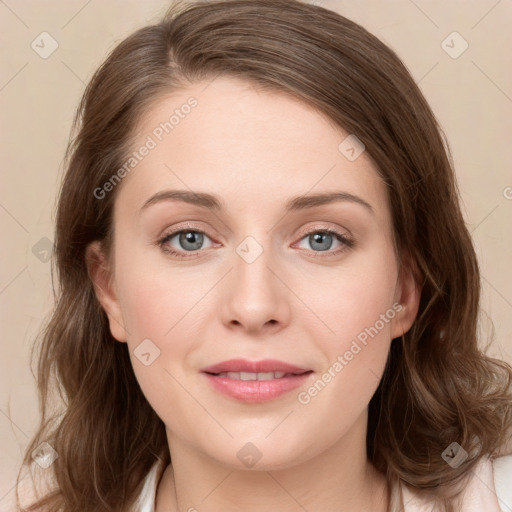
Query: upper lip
point(244, 365)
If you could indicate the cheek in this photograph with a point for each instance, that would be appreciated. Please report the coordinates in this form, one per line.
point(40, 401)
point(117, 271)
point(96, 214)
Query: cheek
point(357, 310)
point(352, 297)
point(158, 316)
point(156, 298)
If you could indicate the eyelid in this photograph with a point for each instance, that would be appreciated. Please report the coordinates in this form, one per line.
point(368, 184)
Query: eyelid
point(186, 226)
point(326, 227)
point(303, 232)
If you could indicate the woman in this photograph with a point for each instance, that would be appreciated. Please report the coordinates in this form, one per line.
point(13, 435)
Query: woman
point(268, 294)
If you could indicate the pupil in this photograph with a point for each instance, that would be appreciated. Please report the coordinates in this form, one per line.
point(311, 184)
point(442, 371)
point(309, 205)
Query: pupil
point(319, 237)
point(189, 237)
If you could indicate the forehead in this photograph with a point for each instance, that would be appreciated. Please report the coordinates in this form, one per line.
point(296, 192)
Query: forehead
point(254, 147)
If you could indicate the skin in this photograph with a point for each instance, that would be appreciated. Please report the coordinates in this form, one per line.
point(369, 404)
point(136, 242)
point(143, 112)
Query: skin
point(255, 149)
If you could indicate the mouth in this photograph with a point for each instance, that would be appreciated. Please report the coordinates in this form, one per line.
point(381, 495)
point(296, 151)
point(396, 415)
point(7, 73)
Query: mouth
point(255, 381)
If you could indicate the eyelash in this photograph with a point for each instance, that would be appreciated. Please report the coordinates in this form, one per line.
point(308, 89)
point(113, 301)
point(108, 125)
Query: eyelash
point(347, 243)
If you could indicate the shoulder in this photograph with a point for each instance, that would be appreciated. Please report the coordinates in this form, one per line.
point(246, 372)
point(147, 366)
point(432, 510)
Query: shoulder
point(502, 469)
point(488, 489)
point(147, 496)
point(36, 483)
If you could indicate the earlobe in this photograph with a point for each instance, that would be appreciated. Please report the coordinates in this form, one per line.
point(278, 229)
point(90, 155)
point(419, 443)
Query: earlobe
point(101, 278)
point(408, 295)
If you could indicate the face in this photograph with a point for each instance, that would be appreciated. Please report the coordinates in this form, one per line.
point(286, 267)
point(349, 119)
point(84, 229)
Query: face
point(261, 276)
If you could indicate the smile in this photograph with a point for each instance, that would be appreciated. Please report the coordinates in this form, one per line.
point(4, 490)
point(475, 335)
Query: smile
point(256, 387)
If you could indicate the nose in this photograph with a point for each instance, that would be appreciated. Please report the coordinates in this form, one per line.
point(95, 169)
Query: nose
point(255, 297)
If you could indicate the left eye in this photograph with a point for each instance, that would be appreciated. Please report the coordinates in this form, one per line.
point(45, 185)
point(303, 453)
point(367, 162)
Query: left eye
point(191, 240)
point(322, 240)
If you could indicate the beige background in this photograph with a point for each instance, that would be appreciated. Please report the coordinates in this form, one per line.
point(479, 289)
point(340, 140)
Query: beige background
point(471, 96)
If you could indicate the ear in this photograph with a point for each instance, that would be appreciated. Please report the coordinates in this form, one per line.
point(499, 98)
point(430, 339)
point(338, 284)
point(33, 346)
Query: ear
point(103, 282)
point(407, 294)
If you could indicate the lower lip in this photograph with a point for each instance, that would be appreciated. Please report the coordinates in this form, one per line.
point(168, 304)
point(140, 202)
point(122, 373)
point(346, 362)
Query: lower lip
point(256, 391)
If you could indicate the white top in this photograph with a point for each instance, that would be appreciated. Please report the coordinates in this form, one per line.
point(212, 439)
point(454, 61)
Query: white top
point(489, 490)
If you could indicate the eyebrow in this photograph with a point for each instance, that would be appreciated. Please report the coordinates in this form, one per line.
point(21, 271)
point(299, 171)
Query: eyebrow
point(205, 200)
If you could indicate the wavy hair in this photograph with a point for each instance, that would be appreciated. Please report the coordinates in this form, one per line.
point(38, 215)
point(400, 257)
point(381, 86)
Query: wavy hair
point(438, 385)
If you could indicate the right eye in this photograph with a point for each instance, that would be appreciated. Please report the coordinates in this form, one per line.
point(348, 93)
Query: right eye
point(188, 240)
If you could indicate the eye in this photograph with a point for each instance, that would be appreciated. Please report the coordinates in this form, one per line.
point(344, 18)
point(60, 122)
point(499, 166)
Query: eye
point(188, 240)
point(191, 240)
point(321, 240)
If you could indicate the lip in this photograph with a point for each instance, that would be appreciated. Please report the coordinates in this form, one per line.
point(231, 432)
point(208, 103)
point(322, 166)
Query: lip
point(244, 365)
point(255, 391)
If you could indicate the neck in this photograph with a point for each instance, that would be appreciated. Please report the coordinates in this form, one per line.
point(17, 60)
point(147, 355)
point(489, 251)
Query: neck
point(340, 478)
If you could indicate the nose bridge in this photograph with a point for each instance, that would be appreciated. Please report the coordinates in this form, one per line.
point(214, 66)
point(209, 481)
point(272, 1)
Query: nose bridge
point(255, 294)
point(252, 262)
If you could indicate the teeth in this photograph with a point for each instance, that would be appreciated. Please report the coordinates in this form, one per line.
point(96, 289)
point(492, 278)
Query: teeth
point(253, 376)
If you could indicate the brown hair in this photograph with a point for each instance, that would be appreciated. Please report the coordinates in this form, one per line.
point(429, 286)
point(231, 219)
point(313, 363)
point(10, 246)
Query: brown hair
point(438, 386)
